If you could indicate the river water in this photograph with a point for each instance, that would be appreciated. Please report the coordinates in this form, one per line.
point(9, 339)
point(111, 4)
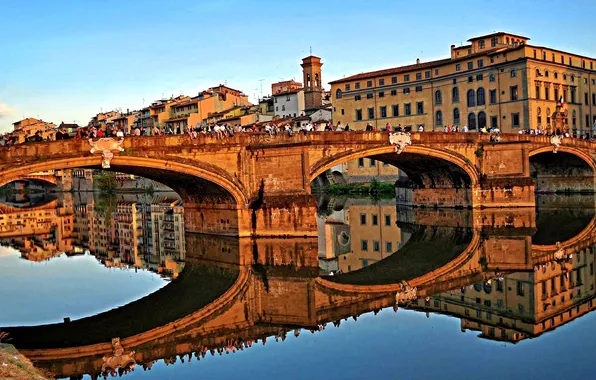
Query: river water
point(484, 294)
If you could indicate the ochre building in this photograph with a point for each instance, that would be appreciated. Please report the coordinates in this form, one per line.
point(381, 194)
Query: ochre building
point(497, 80)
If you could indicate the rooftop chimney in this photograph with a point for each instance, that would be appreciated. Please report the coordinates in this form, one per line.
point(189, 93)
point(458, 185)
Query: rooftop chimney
point(417, 61)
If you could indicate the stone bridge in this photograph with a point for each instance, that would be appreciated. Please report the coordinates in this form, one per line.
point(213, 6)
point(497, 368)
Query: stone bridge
point(257, 185)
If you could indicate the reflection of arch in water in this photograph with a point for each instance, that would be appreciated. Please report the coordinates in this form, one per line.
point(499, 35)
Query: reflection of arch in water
point(430, 253)
point(199, 292)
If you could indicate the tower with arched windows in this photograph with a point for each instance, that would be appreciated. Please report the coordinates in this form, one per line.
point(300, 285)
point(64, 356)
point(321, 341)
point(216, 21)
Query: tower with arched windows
point(313, 88)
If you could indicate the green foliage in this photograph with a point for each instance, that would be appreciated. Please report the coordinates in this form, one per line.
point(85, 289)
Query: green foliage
point(483, 263)
point(479, 152)
point(106, 182)
point(375, 188)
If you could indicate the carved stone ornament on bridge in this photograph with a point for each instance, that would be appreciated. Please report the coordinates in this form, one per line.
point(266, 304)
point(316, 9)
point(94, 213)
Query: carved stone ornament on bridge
point(406, 294)
point(556, 141)
point(401, 140)
point(106, 145)
point(119, 359)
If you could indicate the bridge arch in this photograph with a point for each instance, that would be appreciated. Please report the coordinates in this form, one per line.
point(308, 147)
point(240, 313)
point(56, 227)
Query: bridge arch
point(426, 167)
point(199, 182)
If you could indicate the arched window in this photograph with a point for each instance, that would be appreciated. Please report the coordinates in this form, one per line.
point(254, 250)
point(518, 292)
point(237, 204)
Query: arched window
point(573, 78)
point(537, 72)
point(546, 73)
point(338, 94)
point(513, 73)
point(456, 116)
point(472, 121)
point(439, 118)
point(438, 97)
point(316, 80)
point(471, 98)
point(455, 95)
point(539, 116)
point(491, 77)
point(481, 120)
point(308, 80)
point(480, 97)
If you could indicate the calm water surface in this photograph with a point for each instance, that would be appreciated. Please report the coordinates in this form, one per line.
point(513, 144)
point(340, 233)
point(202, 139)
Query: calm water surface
point(511, 302)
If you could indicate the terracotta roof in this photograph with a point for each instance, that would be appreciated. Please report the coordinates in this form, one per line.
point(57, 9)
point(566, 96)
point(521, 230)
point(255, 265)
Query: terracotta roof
point(497, 34)
point(289, 92)
point(196, 101)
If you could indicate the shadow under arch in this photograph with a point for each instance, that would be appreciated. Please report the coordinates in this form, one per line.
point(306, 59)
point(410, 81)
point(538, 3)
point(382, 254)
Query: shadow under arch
point(215, 185)
point(425, 167)
point(570, 170)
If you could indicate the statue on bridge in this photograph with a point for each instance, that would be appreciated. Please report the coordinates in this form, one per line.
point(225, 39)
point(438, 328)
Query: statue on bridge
point(119, 359)
point(406, 293)
point(401, 140)
point(106, 145)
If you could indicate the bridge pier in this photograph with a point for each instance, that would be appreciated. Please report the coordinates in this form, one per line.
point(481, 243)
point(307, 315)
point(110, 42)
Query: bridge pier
point(271, 216)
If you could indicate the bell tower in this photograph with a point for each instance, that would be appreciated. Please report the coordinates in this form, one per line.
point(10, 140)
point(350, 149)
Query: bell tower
point(313, 89)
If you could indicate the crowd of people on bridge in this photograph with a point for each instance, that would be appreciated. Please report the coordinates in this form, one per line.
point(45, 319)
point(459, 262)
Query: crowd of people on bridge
point(273, 128)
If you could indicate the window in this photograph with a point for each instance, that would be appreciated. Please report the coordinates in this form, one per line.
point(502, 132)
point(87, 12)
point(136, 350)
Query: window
point(357, 85)
point(342, 111)
point(408, 109)
point(455, 95)
point(381, 94)
point(471, 98)
point(276, 108)
point(371, 113)
point(470, 79)
point(479, 77)
point(383, 111)
point(418, 88)
point(520, 291)
point(493, 41)
point(492, 96)
point(381, 82)
point(481, 44)
point(513, 73)
point(594, 99)
point(515, 120)
point(364, 245)
point(338, 94)
point(470, 65)
point(491, 77)
point(388, 247)
point(375, 217)
point(419, 108)
point(481, 120)
point(370, 95)
point(347, 87)
point(427, 74)
point(472, 121)
point(357, 97)
point(456, 116)
point(393, 80)
point(586, 98)
point(406, 91)
point(387, 220)
point(572, 94)
point(458, 67)
point(393, 92)
point(395, 110)
point(438, 97)
point(418, 76)
point(439, 118)
point(537, 92)
point(283, 107)
point(369, 83)
point(546, 73)
point(513, 92)
point(407, 78)
point(358, 114)
point(480, 63)
point(480, 97)
point(363, 216)
point(376, 246)
point(437, 70)
point(573, 78)
point(556, 94)
point(587, 120)
point(361, 165)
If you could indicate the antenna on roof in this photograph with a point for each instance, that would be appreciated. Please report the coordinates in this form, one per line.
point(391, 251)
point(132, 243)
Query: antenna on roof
point(310, 50)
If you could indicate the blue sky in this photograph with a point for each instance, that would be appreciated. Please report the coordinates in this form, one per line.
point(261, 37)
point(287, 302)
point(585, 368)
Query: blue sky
point(66, 60)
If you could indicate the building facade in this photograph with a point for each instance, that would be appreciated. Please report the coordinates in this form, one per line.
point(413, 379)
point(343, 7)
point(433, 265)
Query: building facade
point(497, 80)
point(289, 103)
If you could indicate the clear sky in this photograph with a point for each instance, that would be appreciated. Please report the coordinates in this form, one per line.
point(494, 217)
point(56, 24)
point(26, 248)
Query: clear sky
point(67, 60)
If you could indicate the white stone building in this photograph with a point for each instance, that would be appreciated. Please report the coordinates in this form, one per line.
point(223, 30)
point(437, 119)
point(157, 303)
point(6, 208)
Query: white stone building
point(289, 103)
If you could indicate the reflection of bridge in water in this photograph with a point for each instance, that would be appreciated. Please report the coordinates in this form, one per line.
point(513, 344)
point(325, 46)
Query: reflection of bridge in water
point(235, 291)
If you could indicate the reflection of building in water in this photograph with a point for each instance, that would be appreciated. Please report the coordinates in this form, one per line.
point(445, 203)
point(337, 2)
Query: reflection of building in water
point(146, 233)
point(523, 304)
point(360, 235)
point(39, 233)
